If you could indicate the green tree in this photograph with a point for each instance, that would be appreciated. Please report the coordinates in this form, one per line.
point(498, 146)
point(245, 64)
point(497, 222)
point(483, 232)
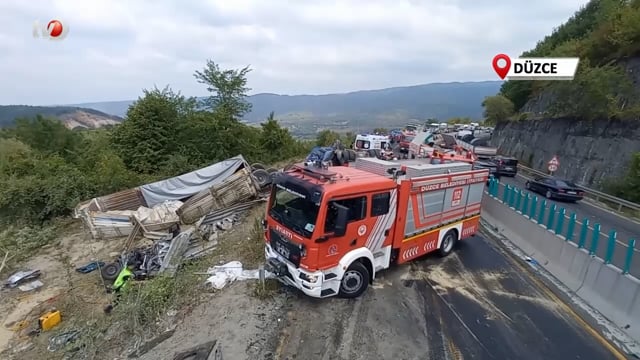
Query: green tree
point(497, 108)
point(16, 158)
point(147, 137)
point(48, 136)
point(598, 93)
point(276, 141)
point(228, 89)
point(327, 138)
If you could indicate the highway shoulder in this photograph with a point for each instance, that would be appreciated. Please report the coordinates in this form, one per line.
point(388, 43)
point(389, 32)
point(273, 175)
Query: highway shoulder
point(583, 318)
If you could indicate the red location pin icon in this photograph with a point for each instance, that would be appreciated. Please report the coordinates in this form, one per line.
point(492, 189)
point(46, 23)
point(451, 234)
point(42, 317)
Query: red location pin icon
point(504, 70)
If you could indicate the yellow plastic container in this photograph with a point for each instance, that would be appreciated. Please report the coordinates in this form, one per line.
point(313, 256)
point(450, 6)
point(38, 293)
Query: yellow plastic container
point(50, 320)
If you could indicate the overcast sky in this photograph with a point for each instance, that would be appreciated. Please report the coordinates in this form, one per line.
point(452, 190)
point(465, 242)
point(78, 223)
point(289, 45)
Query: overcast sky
point(116, 48)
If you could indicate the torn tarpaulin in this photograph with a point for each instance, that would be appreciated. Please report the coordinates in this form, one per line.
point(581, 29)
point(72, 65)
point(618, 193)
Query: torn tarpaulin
point(230, 272)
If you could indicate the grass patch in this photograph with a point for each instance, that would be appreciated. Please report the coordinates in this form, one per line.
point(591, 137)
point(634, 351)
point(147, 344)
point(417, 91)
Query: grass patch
point(245, 242)
point(267, 290)
point(22, 243)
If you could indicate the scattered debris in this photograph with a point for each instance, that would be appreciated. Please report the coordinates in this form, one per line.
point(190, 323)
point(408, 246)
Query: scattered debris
point(21, 277)
point(215, 198)
point(59, 341)
point(36, 284)
point(50, 320)
point(225, 274)
point(171, 260)
point(90, 267)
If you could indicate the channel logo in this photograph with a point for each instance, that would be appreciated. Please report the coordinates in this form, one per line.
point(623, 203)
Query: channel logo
point(52, 30)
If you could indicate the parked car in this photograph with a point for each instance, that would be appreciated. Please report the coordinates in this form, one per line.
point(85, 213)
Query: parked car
point(554, 188)
point(505, 166)
point(487, 164)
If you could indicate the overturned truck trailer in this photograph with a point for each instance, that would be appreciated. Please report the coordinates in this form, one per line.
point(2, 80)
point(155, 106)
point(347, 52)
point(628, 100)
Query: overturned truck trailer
point(160, 205)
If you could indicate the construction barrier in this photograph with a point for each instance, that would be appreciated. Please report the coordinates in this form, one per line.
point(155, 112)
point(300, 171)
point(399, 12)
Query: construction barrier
point(569, 252)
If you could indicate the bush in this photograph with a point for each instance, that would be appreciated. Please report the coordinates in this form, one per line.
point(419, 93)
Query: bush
point(21, 242)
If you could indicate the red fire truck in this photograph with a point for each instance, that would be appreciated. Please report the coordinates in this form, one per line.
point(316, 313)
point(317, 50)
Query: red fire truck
point(330, 230)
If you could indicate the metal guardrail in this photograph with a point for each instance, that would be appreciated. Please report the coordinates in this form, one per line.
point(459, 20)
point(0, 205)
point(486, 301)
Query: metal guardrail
point(554, 219)
point(620, 205)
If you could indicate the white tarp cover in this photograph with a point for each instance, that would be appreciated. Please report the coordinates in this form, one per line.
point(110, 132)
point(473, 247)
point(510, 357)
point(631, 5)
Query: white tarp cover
point(187, 185)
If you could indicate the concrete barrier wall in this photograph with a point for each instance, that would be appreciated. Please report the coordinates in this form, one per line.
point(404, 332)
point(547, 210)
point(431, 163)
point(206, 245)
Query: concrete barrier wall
point(603, 286)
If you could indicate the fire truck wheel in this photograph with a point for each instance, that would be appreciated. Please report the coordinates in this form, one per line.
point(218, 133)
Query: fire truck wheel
point(354, 281)
point(448, 242)
point(257, 166)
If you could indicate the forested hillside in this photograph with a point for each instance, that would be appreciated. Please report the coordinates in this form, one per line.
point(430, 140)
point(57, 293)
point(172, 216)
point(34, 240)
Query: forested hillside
point(605, 34)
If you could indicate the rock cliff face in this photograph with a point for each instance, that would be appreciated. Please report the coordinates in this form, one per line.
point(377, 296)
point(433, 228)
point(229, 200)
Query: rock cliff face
point(589, 152)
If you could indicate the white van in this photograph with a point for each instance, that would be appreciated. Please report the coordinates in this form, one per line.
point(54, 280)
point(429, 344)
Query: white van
point(371, 142)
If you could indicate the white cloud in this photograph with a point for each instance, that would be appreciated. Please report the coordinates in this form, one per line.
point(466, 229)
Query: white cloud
point(116, 48)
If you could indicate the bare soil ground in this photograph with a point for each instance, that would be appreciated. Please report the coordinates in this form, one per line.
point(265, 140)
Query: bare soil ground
point(62, 283)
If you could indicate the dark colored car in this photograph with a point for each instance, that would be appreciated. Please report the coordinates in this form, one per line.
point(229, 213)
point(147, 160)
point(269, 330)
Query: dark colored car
point(487, 164)
point(554, 188)
point(506, 166)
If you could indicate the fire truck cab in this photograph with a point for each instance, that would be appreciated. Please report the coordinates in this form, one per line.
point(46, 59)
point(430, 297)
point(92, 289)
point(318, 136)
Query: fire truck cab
point(330, 230)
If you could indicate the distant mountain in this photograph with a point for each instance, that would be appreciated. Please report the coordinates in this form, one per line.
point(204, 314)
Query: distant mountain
point(72, 117)
point(370, 107)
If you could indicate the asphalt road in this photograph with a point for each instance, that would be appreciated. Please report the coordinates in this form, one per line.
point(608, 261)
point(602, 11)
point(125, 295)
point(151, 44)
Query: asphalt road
point(478, 303)
point(626, 229)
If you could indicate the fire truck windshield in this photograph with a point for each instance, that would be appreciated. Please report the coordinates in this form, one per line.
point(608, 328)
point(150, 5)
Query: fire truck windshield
point(294, 210)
